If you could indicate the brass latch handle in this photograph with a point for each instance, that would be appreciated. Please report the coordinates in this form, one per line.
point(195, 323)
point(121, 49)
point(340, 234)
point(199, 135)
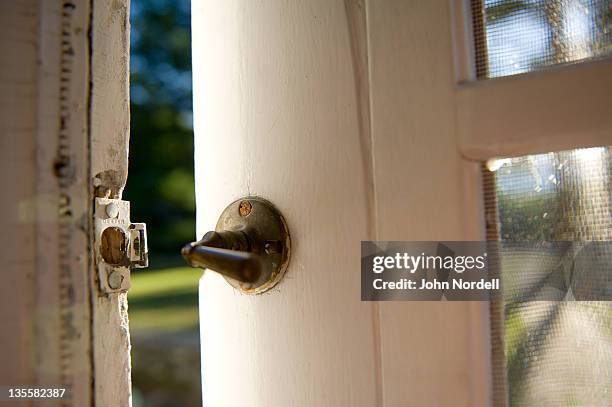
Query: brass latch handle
point(250, 247)
point(213, 252)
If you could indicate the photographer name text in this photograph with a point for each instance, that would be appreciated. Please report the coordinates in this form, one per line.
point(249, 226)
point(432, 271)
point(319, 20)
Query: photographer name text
point(425, 284)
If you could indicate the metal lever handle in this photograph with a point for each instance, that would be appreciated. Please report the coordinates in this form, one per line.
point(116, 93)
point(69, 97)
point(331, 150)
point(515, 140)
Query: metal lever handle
point(220, 252)
point(250, 247)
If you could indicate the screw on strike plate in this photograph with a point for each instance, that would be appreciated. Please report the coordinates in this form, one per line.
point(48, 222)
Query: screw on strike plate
point(115, 279)
point(112, 210)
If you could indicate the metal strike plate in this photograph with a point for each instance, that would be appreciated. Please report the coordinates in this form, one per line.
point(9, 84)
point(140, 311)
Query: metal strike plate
point(119, 244)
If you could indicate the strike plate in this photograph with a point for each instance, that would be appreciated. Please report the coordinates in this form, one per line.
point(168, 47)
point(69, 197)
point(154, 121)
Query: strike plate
point(119, 244)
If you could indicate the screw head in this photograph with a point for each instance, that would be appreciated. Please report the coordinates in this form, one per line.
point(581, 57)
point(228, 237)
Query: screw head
point(112, 210)
point(115, 279)
point(245, 208)
point(273, 247)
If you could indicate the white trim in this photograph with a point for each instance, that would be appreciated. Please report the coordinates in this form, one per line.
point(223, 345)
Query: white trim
point(462, 29)
point(557, 109)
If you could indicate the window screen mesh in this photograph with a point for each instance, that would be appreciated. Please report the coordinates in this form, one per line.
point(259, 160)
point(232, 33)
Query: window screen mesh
point(549, 353)
point(513, 36)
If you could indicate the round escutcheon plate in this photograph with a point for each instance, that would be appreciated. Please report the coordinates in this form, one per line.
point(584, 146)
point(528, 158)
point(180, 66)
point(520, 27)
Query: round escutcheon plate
point(268, 238)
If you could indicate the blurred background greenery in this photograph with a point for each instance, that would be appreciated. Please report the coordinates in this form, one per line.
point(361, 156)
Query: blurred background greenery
point(160, 183)
point(163, 299)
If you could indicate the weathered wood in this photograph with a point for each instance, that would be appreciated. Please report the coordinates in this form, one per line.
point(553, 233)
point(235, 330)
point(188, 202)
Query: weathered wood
point(63, 113)
point(109, 163)
point(18, 100)
point(46, 313)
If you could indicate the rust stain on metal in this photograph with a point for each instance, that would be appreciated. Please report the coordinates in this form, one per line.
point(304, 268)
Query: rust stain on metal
point(245, 208)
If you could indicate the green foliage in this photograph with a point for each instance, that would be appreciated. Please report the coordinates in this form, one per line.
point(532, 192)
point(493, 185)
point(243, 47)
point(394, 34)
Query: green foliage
point(528, 218)
point(515, 334)
point(164, 300)
point(160, 183)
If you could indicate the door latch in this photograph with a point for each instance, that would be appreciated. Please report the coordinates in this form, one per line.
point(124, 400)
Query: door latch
point(250, 246)
point(120, 245)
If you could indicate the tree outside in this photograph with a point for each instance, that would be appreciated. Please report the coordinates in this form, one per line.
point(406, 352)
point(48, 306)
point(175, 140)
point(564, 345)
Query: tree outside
point(163, 299)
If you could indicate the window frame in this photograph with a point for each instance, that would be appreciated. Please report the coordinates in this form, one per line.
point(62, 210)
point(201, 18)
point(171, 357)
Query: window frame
point(562, 107)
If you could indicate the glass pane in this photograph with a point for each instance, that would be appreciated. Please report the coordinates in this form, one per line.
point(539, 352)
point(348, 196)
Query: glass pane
point(553, 353)
point(514, 36)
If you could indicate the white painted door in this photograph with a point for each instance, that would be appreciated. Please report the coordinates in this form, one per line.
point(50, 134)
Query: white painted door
point(342, 114)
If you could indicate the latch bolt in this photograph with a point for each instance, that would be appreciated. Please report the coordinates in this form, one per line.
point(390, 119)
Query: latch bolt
point(119, 244)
